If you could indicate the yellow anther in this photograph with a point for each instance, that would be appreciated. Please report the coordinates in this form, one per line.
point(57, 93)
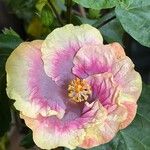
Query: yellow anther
point(79, 90)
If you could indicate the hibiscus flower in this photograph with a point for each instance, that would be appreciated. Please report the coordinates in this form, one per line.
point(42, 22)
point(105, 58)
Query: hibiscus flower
point(71, 89)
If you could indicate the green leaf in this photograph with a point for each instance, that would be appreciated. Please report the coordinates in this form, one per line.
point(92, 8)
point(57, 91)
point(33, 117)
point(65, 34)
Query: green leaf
point(24, 9)
point(134, 16)
point(10, 31)
point(94, 14)
point(113, 31)
point(5, 115)
point(75, 20)
point(7, 43)
point(47, 16)
point(27, 141)
point(4, 142)
point(104, 18)
point(144, 103)
point(40, 4)
point(86, 20)
point(110, 28)
point(97, 4)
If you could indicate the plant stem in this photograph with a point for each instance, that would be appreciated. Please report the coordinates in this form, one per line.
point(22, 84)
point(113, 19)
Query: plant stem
point(82, 11)
point(50, 4)
point(105, 22)
point(69, 9)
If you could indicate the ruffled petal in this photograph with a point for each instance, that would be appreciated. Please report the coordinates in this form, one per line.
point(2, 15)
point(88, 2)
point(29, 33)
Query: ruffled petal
point(119, 108)
point(72, 133)
point(125, 75)
point(131, 112)
point(104, 127)
point(104, 89)
point(61, 45)
point(91, 60)
point(28, 84)
point(49, 133)
point(128, 79)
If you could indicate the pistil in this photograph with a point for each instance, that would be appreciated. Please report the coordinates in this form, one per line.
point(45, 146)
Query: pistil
point(79, 90)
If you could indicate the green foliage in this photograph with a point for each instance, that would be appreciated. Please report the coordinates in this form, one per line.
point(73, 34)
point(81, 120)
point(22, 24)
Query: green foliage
point(27, 141)
point(10, 32)
point(87, 20)
point(134, 16)
point(110, 28)
point(4, 142)
point(36, 29)
point(75, 20)
point(24, 9)
point(40, 4)
point(94, 13)
point(7, 43)
point(5, 115)
point(47, 16)
point(97, 4)
point(113, 31)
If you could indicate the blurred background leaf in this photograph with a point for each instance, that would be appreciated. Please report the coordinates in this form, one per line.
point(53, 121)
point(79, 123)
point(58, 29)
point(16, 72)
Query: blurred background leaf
point(5, 114)
point(47, 17)
point(27, 141)
point(4, 142)
point(36, 29)
point(8, 42)
point(94, 14)
point(24, 9)
point(40, 4)
point(10, 31)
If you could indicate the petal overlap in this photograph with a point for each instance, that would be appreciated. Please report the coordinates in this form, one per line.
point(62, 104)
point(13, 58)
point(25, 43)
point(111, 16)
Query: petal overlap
point(60, 47)
point(32, 90)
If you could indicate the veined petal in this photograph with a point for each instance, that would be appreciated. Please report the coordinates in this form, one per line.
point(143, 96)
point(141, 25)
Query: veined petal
point(49, 133)
point(72, 133)
point(104, 127)
point(61, 45)
point(37, 78)
point(120, 110)
point(125, 75)
point(28, 84)
point(91, 60)
point(104, 89)
point(97, 59)
point(129, 80)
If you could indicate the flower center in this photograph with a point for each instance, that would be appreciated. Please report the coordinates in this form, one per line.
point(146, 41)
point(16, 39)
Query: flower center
point(79, 90)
